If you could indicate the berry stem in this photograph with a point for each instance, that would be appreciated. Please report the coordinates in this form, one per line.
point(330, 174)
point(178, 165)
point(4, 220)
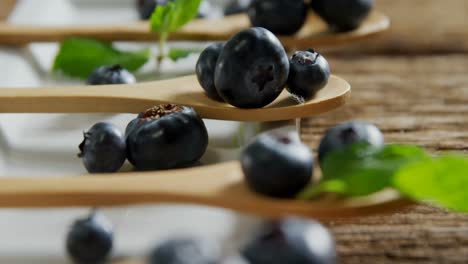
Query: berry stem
point(162, 44)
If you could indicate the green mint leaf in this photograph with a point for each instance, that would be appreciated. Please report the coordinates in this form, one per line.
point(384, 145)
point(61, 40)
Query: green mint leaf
point(173, 15)
point(177, 54)
point(78, 57)
point(362, 169)
point(442, 181)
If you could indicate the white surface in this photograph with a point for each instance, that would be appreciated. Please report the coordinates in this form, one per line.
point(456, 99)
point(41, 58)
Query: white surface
point(47, 145)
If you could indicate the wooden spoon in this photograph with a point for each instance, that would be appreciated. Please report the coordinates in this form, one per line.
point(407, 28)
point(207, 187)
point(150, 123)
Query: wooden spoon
point(183, 90)
point(315, 32)
point(220, 185)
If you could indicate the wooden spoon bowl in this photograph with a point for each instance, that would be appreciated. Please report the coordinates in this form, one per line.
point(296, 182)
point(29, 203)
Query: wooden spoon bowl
point(220, 185)
point(183, 91)
point(315, 32)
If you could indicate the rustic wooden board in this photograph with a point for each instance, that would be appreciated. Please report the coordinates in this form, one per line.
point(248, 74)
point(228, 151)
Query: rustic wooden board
point(415, 99)
point(420, 26)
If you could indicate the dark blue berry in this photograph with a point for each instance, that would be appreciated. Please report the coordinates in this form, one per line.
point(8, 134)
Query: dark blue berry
point(343, 15)
point(309, 72)
point(165, 137)
point(111, 75)
point(146, 7)
point(277, 165)
point(90, 240)
point(103, 149)
point(252, 69)
point(291, 240)
point(206, 66)
point(236, 7)
point(283, 17)
point(185, 251)
point(345, 134)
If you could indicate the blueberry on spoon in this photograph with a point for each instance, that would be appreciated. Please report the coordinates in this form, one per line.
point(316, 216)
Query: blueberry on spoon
point(165, 137)
point(277, 165)
point(343, 15)
point(205, 68)
point(90, 240)
point(291, 240)
point(252, 69)
point(283, 17)
point(349, 133)
point(103, 149)
point(185, 251)
point(111, 75)
point(309, 72)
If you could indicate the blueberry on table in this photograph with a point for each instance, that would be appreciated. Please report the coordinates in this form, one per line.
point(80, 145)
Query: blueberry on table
point(111, 75)
point(205, 68)
point(343, 15)
point(185, 251)
point(146, 7)
point(283, 17)
point(236, 7)
point(349, 133)
point(277, 165)
point(90, 240)
point(291, 240)
point(309, 72)
point(165, 137)
point(252, 69)
point(103, 149)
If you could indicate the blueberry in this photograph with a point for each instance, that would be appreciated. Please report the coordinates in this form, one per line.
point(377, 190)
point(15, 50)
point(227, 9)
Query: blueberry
point(291, 240)
point(206, 66)
point(343, 15)
point(103, 149)
point(236, 7)
point(90, 240)
point(252, 69)
point(185, 251)
point(283, 17)
point(345, 134)
point(146, 7)
point(165, 137)
point(309, 72)
point(111, 75)
point(277, 165)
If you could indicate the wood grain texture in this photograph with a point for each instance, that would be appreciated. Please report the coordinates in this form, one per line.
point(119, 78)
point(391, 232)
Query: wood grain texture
point(420, 100)
point(420, 26)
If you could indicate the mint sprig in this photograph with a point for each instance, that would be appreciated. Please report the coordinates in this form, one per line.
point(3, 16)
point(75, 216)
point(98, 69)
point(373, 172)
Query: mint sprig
point(170, 17)
point(362, 169)
point(79, 57)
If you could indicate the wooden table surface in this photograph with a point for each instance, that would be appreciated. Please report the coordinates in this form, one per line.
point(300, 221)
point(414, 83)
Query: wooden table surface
point(412, 83)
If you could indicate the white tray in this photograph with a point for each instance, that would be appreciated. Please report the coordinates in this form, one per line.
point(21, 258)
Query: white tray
point(47, 145)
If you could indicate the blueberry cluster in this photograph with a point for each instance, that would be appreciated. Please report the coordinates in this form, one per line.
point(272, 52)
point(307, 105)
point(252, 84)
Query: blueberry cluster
point(252, 69)
point(290, 240)
point(279, 165)
point(163, 137)
point(286, 17)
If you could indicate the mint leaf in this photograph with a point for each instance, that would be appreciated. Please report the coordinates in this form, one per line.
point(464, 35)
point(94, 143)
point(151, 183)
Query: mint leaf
point(362, 169)
point(170, 17)
point(442, 181)
point(78, 57)
point(173, 15)
point(177, 54)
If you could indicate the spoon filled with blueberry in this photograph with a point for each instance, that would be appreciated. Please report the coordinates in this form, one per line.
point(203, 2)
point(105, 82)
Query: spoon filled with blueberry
point(295, 21)
point(244, 79)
